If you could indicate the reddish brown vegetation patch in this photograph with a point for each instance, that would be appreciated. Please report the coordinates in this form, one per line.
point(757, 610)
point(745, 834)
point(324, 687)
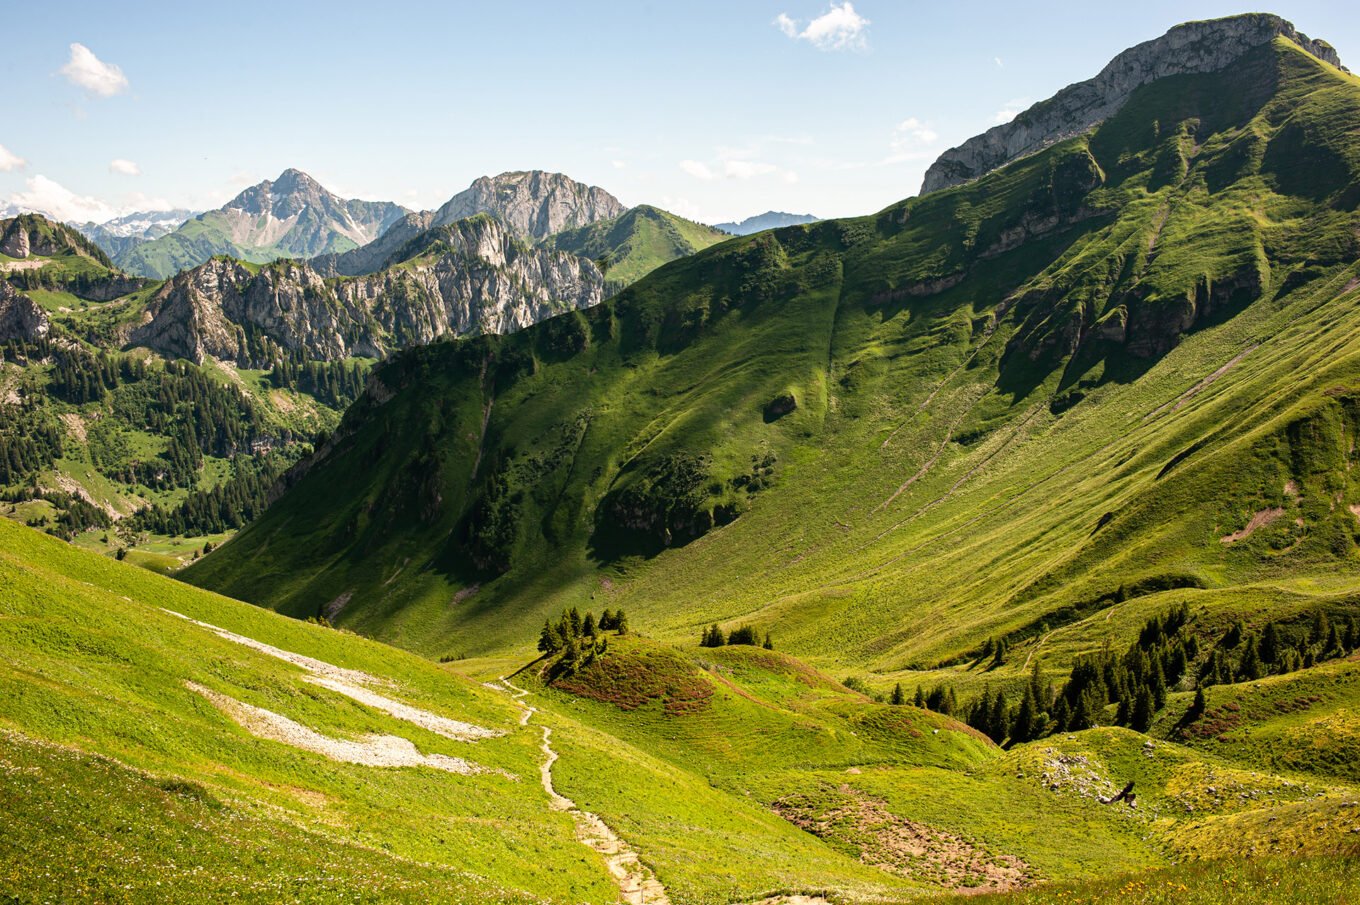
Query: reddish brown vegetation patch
point(631, 679)
point(863, 827)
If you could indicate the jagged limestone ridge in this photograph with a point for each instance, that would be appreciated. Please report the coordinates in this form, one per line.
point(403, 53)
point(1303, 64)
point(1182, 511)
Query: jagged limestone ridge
point(1194, 47)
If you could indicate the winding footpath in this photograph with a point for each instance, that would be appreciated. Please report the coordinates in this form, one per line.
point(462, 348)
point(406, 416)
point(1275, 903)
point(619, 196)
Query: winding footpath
point(636, 883)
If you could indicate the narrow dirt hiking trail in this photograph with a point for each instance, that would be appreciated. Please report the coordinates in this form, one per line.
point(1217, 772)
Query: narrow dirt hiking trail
point(637, 884)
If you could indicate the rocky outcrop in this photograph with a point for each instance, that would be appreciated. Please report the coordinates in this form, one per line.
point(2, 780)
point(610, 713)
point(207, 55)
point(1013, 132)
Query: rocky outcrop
point(1195, 47)
point(33, 235)
point(20, 316)
point(470, 277)
point(533, 203)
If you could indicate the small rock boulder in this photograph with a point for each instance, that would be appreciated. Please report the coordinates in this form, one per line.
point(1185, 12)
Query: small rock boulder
point(780, 406)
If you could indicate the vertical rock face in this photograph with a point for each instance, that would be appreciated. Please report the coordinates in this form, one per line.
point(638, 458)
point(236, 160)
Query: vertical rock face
point(20, 316)
point(534, 204)
point(473, 276)
point(1195, 47)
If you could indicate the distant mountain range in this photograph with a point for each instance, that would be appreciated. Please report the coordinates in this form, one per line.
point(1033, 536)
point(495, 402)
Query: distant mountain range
point(119, 236)
point(290, 217)
point(767, 220)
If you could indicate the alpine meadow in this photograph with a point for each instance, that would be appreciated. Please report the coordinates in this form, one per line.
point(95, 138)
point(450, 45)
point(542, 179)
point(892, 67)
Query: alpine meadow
point(527, 545)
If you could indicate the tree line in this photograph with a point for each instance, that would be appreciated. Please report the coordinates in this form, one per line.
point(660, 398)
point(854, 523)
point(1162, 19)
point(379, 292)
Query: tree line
point(1136, 682)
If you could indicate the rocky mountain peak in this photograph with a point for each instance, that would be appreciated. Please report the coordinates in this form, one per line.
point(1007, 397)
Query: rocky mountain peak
point(534, 203)
point(291, 216)
point(285, 196)
point(1194, 47)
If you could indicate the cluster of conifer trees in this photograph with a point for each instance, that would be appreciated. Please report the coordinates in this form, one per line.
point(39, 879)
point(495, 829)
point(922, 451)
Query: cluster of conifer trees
point(30, 440)
point(231, 504)
point(1280, 646)
point(713, 636)
point(579, 639)
point(334, 383)
point(1137, 680)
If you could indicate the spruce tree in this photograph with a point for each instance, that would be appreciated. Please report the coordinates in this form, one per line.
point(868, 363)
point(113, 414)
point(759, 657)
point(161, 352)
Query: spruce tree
point(1269, 648)
point(1025, 727)
point(1141, 717)
point(1198, 707)
point(1249, 667)
point(898, 696)
point(998, 721)
point(547, 639)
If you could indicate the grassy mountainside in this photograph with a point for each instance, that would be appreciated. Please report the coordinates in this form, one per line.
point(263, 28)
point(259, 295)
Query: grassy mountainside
point(733, 774)
point(103, 729)
point(1009, 409)
point(631, 246)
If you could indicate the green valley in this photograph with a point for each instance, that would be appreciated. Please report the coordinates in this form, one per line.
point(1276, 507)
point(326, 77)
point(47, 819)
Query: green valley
point(1002, 545)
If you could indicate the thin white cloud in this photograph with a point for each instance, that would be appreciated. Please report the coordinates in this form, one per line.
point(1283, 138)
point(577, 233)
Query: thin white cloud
point(93, 74)
point(684, 207)
point(54, 199)
point(1010, 110)
point(839, 28)
point(912, 140)
point(999, 64)
point(10, 161)
point(696, 169)
point(124, 167)
point(619, 164)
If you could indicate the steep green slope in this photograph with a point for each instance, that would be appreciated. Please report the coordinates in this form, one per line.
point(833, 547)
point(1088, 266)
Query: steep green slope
point(629, 247)
point(119, 711)
point(1043, 406)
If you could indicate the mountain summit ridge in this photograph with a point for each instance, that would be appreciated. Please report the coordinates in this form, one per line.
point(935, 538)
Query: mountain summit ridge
point(1189, 48)
point(291, 216)
point(534, 204)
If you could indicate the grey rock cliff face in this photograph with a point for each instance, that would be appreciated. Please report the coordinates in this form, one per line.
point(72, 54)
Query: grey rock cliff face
point(20, 316)
point(1195, 47)
point(471, 277)
point(534, 204)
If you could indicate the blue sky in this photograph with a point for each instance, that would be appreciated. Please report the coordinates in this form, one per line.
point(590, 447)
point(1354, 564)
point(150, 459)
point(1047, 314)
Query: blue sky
point(715, 110)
